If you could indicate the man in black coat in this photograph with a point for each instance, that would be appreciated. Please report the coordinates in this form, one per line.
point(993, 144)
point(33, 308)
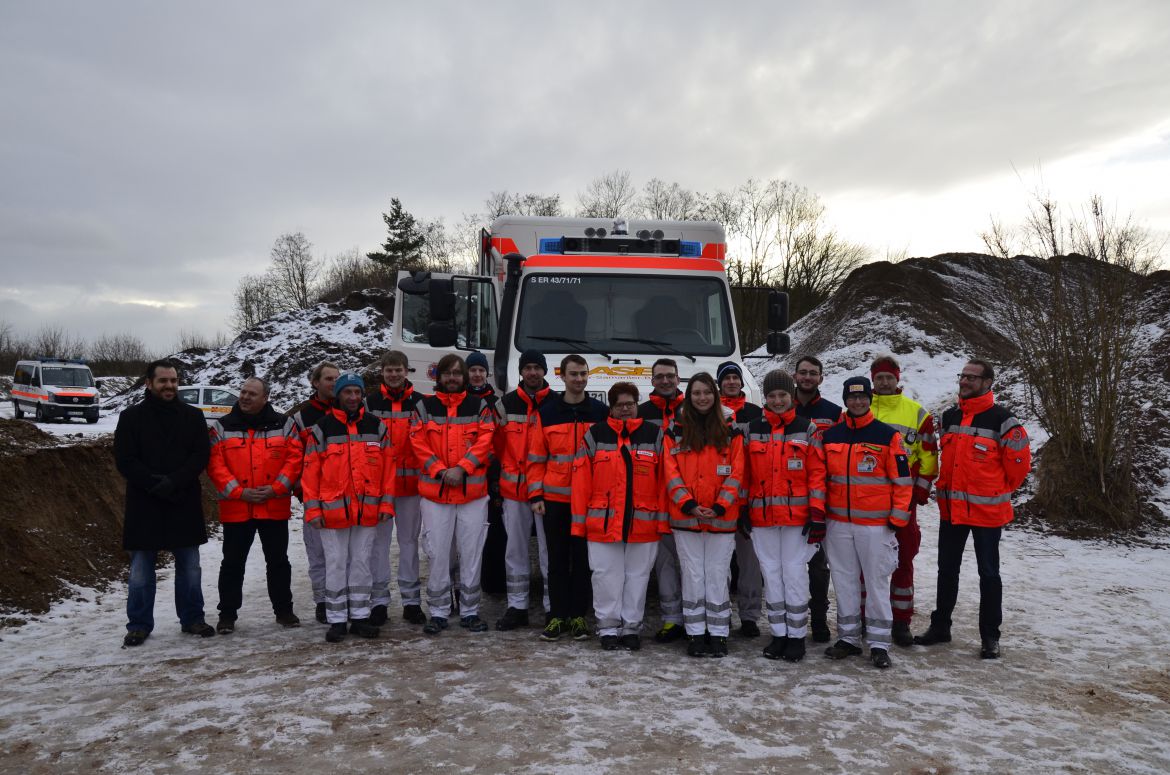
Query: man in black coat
point(161, 446)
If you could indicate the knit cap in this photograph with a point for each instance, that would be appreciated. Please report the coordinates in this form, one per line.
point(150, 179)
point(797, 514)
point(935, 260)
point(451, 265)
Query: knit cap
point(477, 358)
point(857, 386)
point(728, 367)
point(778, 379)
point(346, 380)
point(533, 356)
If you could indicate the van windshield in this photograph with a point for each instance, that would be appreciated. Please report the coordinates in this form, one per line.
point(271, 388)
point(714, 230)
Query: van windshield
point(59, 376)
point(604, 312)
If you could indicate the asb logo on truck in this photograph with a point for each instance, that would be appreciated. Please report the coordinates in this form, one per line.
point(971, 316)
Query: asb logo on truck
point(616, 371)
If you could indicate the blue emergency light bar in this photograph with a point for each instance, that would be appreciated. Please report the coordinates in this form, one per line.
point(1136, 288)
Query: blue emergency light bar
point(621, 245)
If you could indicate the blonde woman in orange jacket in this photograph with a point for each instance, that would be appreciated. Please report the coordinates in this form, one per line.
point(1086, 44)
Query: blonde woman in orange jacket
point(704, 469)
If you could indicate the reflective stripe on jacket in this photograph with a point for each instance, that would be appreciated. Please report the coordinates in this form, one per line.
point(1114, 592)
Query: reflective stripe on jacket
point(918, 437)
point(553, 444)
point(710, 477)
point(248, 453)
point(868, 473)
point(985, 458)
point(518, 416)
point(395, 408)
point(449, 430)
point(349, 471)
point(785, 470)
point(618, 493)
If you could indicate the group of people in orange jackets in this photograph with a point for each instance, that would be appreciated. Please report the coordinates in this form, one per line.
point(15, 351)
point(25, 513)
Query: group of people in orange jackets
point(672, 486)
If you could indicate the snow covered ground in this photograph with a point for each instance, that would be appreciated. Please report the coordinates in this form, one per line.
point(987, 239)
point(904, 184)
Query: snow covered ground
point(107, 422)
point(1083, 686)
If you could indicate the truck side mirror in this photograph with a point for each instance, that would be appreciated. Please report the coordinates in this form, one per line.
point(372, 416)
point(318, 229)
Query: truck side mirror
point(777, 311)
point(778, 343)
point(442, 292)
point(441, 334)
point(417, 284)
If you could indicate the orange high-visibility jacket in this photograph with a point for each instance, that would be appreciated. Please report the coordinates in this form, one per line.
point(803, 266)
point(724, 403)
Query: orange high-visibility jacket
point(553, 445)
point(395, 408)
point(250, 453)
point(868, 473)
point(709, 477)
point(785, 476)
point(449, 430)
point(518, 416)
point(617, 483)
point(349, 471)
point(985, 458)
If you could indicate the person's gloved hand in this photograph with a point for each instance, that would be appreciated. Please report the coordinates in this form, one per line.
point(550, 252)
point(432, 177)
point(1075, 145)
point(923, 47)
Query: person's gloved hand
point(163, 486)
point(921, 494)
point(814, 528)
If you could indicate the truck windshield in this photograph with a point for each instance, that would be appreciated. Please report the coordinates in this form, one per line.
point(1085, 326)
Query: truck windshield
point(685, 314)
point(66, 377)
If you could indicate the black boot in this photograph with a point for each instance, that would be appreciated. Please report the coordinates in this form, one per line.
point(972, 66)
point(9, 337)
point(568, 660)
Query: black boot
point(364, 628)
point(320, 613)
point(794, 650)
point(379, 615)
point(842, 649)
point(512, 618)
point(901, 634)
point(775, 649)
point(820, 629)
point(880, 658)
point(717, 646)
point(336, 632)
point(749, 629)
point(989, 650)
point(696, 646)
point(932, 636)
point(413, 614)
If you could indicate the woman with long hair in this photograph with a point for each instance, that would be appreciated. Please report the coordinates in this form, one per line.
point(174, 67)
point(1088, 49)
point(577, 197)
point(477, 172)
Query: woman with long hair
point(704, 469)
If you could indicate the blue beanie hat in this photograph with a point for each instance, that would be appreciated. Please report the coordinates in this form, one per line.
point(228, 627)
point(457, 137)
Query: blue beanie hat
point(346, 380)
point(725, 368)
point(533, 356)
point(477, 359)
point(857, 386)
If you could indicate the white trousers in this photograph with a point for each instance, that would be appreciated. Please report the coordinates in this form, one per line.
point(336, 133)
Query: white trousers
point(705, 562)
point(518, 521)
point(749, 588)
point(408, 516)
point(316, 555)
point(347, 572)
point(783, 554)
point(380, 563)
point(465, 524)
point(669, 583)
point(621, 574)
point(852, 550)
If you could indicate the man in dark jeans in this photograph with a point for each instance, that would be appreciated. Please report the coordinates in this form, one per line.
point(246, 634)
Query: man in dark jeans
point(161, 448)
point(553, 444)
point(256, 456)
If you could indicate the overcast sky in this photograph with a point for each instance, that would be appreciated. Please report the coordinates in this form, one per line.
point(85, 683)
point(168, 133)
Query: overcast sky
point(151, 152)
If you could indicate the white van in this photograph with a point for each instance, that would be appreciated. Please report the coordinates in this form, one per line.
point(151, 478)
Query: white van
point(54, 388)
point(214, 401)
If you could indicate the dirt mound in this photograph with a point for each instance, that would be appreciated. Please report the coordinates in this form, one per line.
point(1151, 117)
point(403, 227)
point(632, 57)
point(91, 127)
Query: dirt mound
point(60, 518)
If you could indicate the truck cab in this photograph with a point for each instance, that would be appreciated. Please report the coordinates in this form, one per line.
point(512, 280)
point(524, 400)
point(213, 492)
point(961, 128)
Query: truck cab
point(619, 293)
point(54, 388)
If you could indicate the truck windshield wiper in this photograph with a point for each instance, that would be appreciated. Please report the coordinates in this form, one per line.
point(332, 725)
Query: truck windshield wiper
point(582, 345)
point(665, 347)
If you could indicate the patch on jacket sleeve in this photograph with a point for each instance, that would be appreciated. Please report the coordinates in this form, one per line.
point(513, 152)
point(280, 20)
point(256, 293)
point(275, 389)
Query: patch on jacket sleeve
point(903, 465)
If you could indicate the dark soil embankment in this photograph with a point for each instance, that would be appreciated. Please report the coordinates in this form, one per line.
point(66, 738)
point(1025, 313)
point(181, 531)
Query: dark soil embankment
point(60, 518)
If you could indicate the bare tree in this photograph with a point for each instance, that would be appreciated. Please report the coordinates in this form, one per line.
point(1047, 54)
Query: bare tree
point(53, 341)
point(118, 354)
point(351, 271)
point(196, 340)
point(663, 201)
point(1076, 329)
point(608, 196)
point(294, 271)
point(506, 203)
point(255, 301)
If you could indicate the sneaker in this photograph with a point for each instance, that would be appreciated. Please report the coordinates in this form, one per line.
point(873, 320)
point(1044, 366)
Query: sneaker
point(609, 642)
point(794, 650)
point(379, 615)
point(989, 649)
point(579, 629)
point(880, 658)
point(320, 614)
point(748, 629)
point(775, 649)
point(555, 629)
point(364, 628)
point(842, 649)
point(336, 632)
point(202, 629)
point(413, 614)
point(820, 630)
point(717, 646)
point(512, 618)
point(932, 636)
point(696, 645)
point(135, 638)
point(473, 623)
point(225, 626)
point(632, 642)
point(288, 619)
point(901, 634)
point(436, 625)
point(669, 633)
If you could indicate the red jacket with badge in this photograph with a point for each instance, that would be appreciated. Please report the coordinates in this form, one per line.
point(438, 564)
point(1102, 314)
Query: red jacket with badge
point(518, 417)
point(869, 480)
point(349, 471)
point(985, 457)
point(660, 409)
point(617, 483)
point(395, 408)
point(451, 430)
point(709, 477)
point(250, 451)
point(785, 471)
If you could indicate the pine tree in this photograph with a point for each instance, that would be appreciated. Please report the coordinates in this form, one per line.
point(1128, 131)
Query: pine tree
point(403, 248)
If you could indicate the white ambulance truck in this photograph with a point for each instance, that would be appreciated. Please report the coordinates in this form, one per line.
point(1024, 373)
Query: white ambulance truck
point(619, 293)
